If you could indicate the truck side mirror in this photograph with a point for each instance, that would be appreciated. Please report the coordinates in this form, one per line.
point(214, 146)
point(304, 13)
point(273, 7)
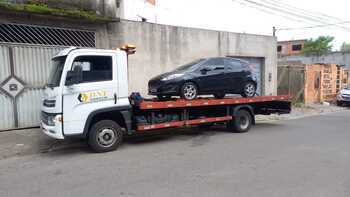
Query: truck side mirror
point(74, 76)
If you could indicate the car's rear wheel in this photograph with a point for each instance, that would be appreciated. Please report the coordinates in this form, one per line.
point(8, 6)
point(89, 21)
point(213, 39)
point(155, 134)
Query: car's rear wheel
point(219, 95)
point(189, 91)
point(249, 90)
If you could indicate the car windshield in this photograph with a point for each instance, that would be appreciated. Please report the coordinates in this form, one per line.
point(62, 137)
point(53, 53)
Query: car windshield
point(189, 66)
point(56, 71)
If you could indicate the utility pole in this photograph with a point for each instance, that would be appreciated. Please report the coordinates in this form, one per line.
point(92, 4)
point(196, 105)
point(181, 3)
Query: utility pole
point(274, 31)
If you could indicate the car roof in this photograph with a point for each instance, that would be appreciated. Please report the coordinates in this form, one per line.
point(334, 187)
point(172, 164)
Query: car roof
point(230, 58)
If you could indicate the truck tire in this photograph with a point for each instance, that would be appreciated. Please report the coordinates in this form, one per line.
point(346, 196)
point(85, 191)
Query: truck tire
point(105, 135)
point(241, 122)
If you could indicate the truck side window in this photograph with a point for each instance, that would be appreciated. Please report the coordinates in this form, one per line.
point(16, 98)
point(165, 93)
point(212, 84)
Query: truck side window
point(95, 68)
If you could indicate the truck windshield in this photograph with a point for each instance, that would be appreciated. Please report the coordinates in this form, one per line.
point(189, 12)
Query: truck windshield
point(56, 71)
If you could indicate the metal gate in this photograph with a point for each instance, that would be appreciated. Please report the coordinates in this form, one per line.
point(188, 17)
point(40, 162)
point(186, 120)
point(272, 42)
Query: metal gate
point(24, 71)
point(257, 64)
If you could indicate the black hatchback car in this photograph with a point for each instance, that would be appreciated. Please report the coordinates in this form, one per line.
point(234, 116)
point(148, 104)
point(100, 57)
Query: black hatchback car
point(217, 76)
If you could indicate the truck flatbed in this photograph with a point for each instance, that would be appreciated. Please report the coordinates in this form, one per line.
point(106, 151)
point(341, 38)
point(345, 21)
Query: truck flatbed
point(224, 110)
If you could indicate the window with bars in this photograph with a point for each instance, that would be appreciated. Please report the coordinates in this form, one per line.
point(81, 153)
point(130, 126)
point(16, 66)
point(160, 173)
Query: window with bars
point(28, 34)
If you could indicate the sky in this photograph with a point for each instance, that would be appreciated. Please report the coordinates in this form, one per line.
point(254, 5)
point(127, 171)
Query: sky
point(244, 17)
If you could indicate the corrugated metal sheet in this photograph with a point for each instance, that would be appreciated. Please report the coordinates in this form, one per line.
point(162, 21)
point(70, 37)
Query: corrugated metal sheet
point(4, 64)
point(28, 107)
point(32, 64)
point(6, 113)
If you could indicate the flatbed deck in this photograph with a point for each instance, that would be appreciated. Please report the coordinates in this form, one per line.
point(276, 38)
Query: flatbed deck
point(224, 110)
point(181, 103)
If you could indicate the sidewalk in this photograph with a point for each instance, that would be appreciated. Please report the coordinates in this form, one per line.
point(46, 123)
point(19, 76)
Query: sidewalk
point(33, 141)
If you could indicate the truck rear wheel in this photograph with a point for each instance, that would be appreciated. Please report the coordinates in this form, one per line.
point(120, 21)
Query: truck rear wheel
point(241, 122)
point(105, 135)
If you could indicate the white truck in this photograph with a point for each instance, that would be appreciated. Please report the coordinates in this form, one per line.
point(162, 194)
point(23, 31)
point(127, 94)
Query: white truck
point(87, 96)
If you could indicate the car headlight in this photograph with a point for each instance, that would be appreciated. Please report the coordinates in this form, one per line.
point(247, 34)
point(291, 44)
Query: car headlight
point(170, 77)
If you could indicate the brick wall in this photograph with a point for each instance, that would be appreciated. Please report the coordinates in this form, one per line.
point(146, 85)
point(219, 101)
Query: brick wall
point(323, 81)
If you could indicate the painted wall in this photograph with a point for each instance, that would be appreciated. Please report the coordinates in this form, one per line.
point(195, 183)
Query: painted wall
point(161, 48)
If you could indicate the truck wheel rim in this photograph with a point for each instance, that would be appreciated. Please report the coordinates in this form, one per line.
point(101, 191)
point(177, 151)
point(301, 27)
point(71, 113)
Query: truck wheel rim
point(106, 137)
point(244, 122)
point(190, 91)
point(249, 89)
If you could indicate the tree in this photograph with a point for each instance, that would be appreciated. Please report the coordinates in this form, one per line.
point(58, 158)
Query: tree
point(345, 47)
point(318, 46)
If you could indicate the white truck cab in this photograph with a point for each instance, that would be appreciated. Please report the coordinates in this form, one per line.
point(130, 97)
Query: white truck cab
point(84, 83)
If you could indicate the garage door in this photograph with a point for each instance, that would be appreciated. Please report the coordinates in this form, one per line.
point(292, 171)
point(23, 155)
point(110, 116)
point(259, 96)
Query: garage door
point(257, 64)
point(23, 73)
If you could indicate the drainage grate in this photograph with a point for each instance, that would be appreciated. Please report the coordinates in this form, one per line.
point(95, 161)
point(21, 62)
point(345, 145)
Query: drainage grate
point(15, 33)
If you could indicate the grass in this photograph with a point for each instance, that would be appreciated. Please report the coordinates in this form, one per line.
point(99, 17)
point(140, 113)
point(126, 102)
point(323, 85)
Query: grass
point(37, 7)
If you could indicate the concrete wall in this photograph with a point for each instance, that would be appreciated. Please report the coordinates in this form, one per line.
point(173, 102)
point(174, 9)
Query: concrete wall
point(338, 58)
point(161, 48)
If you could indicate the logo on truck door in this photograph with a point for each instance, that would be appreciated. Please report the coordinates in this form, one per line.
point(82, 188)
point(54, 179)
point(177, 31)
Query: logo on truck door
point(95, 96)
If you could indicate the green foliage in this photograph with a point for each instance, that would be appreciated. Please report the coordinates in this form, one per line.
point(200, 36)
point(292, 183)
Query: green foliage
point(345, 47)
point(318, 46)
point(38, 7)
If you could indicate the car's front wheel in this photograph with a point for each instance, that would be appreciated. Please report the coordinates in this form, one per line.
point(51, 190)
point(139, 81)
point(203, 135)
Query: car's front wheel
point(249, 90)
point(189, 91)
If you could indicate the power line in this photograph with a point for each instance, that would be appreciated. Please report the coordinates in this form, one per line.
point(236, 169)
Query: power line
point(271, 12)
point(317, 15)
point(315, 26)
point(290, 13)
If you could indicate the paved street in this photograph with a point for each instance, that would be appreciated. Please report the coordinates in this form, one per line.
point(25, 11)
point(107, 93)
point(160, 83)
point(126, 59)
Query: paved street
point(303, 157)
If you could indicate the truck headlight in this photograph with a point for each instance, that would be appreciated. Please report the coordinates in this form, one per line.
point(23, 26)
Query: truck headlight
point(51, 120)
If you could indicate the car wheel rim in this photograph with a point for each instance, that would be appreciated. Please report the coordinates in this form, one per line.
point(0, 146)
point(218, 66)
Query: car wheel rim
point(249, 89)
point(190, 92)
point(106, 137)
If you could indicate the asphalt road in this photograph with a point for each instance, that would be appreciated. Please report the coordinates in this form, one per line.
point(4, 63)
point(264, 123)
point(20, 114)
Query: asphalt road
point(305, 157)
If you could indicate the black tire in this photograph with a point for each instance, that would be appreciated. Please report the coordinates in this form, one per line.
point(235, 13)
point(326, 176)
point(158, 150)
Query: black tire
point(219, 95)
point(112, 138)
point(163, 97)
point(241, 122)
point(189, 91)
point(249, 89)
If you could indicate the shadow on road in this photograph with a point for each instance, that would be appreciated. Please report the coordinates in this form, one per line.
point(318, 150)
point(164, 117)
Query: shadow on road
point(197, 136)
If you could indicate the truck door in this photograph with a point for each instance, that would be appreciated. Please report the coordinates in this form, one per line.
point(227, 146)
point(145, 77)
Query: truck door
point(96, 90)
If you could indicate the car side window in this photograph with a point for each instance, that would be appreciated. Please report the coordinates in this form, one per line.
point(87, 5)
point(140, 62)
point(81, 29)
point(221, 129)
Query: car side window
point(235, 65)
point(214, 65)
point(95, 68)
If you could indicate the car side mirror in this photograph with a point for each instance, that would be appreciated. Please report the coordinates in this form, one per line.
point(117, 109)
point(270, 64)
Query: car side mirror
point(74, 76)
point(205, 70)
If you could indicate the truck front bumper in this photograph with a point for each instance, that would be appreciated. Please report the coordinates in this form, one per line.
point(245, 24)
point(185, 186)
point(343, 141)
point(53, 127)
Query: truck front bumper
point(53, 131)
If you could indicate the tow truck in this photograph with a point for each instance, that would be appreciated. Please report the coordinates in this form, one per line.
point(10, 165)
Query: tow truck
point(87, 97)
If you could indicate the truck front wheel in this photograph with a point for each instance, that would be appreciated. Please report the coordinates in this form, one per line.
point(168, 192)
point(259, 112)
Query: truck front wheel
point(241, 122)
point(105, 135)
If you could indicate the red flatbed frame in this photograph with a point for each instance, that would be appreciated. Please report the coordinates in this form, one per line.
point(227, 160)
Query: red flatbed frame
point(186, 104)
point(180, 103)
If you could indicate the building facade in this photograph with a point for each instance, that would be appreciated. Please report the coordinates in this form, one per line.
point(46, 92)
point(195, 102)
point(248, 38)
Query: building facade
point(290, 47)
point(29, 39)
